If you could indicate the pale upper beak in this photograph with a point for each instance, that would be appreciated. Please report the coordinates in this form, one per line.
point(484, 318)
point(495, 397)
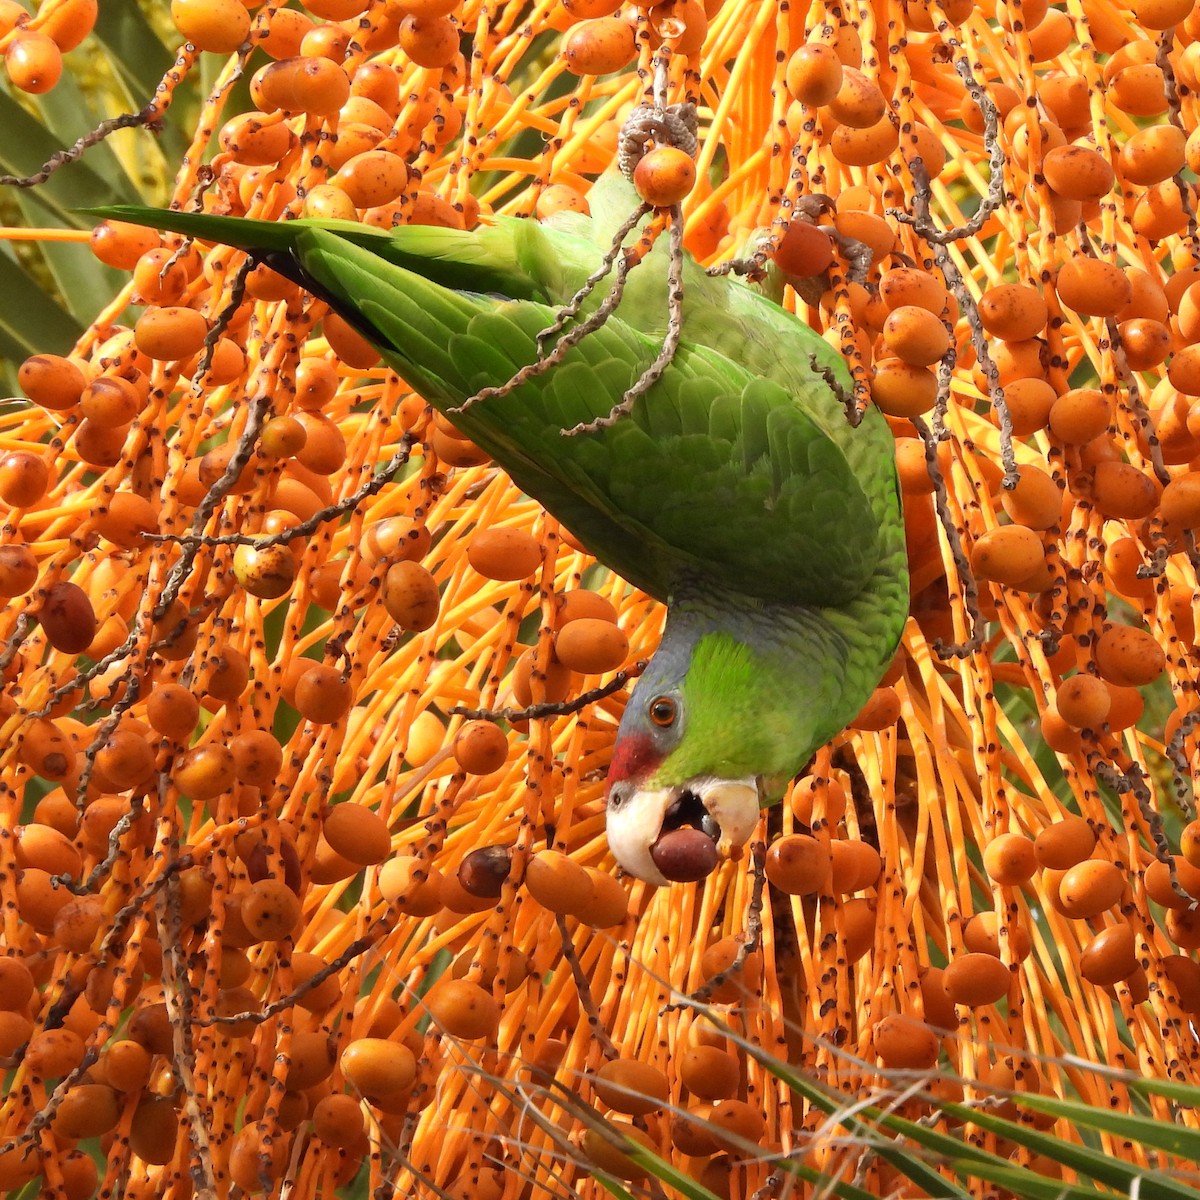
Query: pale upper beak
point(727, 810)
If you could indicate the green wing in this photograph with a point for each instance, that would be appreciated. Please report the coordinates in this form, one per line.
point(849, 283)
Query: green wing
point(717, 472)
point(738, 465)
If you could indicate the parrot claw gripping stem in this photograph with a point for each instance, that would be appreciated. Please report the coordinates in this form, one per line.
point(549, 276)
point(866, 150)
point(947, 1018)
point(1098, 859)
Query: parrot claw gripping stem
point(674, 125)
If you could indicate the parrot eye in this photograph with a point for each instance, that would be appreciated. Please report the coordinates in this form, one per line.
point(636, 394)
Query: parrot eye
point(662, 711)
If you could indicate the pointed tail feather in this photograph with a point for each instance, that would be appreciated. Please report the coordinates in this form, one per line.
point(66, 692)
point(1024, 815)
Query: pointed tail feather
point(257, 237)
point(484, 260)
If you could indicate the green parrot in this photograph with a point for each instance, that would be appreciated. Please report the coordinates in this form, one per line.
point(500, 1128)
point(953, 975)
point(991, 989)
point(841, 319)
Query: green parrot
point(735, 491)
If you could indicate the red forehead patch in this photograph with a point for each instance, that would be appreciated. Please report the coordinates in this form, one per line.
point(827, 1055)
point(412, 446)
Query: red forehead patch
point(634, 755)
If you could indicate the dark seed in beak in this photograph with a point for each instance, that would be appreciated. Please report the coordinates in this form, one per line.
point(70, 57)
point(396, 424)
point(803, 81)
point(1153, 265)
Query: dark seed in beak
point(685, 855)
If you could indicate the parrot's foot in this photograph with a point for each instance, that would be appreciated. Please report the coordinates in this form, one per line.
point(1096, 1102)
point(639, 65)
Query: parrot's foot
point(813, 206)
point(670, 125)
point(810, 209)
point(858, 255)
point(673, 125)
point(665, 125)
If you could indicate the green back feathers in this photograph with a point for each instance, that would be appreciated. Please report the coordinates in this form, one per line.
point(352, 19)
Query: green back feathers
point(738, 464)
point(715, 470)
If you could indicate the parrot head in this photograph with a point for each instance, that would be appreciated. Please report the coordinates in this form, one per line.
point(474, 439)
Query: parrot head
point(678, 800)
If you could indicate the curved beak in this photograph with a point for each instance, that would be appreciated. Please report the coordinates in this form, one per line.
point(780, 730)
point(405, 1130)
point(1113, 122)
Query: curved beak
point(689, 828)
